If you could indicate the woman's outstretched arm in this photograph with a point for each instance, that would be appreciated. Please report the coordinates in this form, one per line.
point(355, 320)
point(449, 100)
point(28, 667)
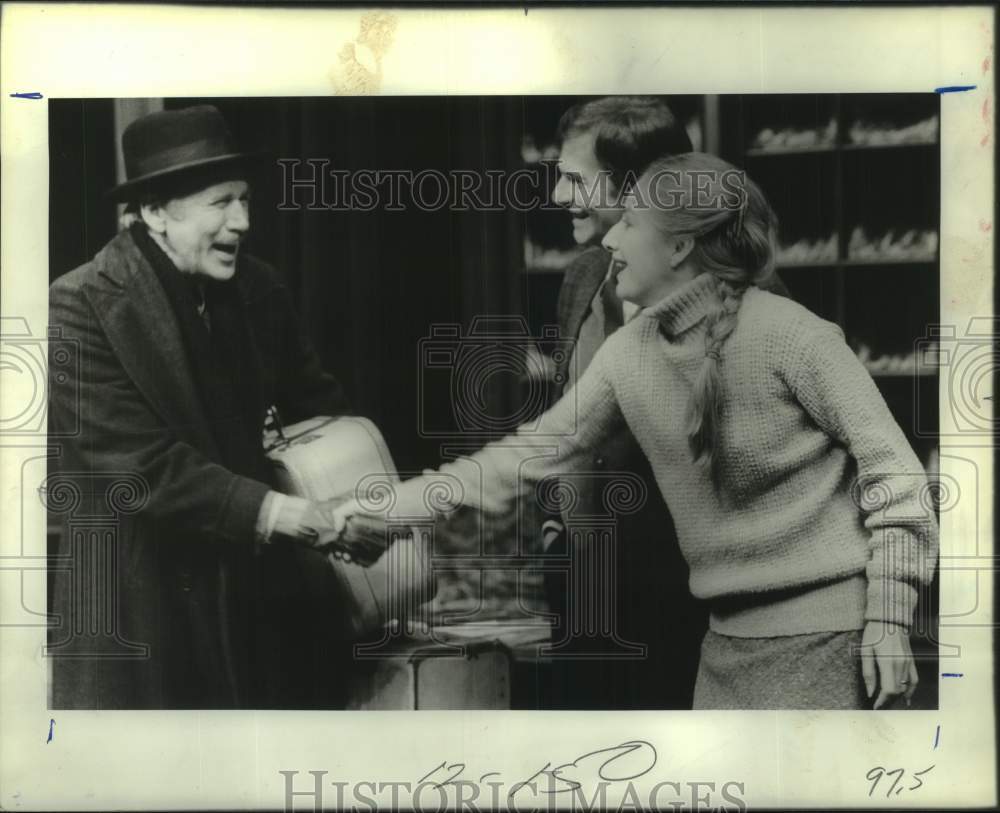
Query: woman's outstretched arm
point(493, 479)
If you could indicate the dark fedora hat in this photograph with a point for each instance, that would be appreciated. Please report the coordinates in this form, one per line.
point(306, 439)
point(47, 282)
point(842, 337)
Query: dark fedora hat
point(174, 144)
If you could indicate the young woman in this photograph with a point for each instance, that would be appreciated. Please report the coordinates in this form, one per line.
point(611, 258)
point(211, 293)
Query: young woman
point(799, 505)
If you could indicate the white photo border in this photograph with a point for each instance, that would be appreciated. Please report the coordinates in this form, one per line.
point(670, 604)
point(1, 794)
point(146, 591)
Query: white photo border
point(206, 760)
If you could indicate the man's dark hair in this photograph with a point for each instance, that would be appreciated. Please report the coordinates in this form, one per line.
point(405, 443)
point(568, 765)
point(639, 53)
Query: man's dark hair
point(630, 132)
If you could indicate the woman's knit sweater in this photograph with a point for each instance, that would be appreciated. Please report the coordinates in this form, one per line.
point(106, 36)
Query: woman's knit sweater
point(821, 521)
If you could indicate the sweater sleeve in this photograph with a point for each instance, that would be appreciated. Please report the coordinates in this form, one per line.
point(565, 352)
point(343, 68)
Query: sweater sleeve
point(561, 441)
point(891, 489)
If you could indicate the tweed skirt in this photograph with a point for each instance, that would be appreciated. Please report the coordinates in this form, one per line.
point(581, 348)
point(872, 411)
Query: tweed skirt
point(815, 671)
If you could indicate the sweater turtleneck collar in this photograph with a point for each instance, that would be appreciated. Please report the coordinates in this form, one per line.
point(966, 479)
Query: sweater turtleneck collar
point(685, 307)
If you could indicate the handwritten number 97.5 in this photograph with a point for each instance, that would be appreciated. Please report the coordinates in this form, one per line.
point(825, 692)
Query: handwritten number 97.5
point(875, 776)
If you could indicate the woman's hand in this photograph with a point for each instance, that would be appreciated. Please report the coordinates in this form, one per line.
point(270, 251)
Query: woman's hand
point(403, 500)
point(336, 513)
point(887, 646)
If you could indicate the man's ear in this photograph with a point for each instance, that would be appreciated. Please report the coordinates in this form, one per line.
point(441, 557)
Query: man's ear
point(154, 216)
point(682, 248)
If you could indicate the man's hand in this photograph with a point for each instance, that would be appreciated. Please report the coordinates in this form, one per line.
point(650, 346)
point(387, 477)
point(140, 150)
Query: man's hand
point(302, 521)
point(887, 646)
point(349, 534)
point(323, 526)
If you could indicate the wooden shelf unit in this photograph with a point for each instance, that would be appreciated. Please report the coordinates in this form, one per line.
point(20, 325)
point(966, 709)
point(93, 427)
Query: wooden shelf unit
point(886, 304)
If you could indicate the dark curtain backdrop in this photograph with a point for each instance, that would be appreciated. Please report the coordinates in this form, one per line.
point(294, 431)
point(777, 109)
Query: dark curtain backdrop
point(369, 285)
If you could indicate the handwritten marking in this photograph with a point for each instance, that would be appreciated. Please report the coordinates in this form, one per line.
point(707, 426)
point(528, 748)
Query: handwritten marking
point(599, 761)
point(954, 88)
point(625, 749)
point(875, 775)
point(52, 725)
point(917, 776)
point(32, 95)
point(952, 674)
point(937, 736)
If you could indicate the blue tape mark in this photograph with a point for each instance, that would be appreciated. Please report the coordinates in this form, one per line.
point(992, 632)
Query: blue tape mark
point(52, 725)
point(33, 95)
point(954, 88)
point(937, 736)
point(951, 674)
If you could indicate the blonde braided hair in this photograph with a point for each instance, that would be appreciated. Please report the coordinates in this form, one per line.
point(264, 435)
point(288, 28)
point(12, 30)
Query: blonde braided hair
point(705, 405)
point(736, 245)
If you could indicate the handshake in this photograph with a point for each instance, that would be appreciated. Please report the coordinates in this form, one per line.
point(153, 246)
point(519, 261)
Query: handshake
point(331, 526)
point(378, 574)
point(376, 583)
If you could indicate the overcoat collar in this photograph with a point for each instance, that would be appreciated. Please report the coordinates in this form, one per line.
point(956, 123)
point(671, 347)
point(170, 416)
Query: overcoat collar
point(143, 331)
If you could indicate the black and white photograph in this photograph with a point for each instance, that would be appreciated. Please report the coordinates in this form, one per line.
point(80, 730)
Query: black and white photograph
point(676, 530)
point(557, 401)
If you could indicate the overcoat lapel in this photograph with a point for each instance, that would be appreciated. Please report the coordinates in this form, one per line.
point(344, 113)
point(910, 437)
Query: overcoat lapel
point(144, 334)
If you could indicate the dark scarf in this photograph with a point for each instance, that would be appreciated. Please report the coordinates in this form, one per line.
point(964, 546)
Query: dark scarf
point(223, 358)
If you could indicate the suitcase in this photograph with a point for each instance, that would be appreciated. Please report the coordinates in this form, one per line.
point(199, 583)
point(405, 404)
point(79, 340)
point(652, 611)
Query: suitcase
point(327, 458)
point(491, 665)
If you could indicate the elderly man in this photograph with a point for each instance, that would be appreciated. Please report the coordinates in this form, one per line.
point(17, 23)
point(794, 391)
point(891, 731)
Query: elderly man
point(604, 144)
point(185, 343)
